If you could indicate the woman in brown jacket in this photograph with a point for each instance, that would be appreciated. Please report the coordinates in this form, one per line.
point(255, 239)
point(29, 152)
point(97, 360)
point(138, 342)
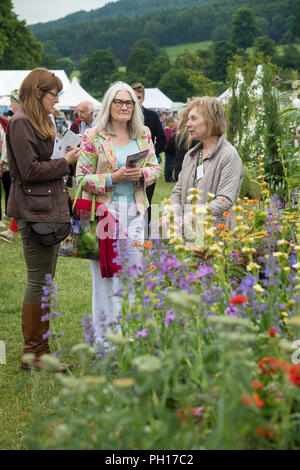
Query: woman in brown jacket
point(38, 194)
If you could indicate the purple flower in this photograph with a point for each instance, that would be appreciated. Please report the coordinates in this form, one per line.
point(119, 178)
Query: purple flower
point(232, 311)
point(169, 318)
point(47, 334)
point(142, 333)
point(88, 329)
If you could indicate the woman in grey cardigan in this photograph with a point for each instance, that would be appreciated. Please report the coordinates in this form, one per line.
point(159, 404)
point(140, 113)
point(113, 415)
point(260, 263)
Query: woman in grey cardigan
point(212, 166)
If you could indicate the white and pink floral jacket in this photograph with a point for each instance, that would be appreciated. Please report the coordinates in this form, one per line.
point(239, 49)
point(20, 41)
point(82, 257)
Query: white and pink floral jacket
point(98, 158)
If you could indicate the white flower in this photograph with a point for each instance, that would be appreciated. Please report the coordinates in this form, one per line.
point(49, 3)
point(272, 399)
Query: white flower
point(258, 289)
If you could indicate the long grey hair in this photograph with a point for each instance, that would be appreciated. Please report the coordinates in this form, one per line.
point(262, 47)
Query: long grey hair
point(103, 121)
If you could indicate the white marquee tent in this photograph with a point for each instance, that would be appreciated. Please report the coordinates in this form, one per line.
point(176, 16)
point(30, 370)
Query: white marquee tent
point(156, 99)
point(225, 97)
point(12, 79)
point(73, 95)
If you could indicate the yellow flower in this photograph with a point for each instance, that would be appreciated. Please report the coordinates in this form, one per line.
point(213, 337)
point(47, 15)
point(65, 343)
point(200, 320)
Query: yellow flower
point(258, 289)
point(252, 266)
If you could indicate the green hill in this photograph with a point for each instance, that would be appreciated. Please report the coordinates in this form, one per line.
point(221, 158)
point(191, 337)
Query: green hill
point(123, 8)
point(176, 22)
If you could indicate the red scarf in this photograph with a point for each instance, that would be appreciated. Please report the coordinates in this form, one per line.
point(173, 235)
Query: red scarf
point(3, 122)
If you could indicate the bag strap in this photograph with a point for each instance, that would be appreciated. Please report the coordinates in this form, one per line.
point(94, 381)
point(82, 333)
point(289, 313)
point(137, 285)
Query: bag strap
point(78, 194)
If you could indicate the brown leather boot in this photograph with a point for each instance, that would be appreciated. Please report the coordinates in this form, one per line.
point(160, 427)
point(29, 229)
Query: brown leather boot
point(33, 330)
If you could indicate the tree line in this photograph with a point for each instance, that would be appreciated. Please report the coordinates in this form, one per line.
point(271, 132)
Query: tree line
point(276, 19)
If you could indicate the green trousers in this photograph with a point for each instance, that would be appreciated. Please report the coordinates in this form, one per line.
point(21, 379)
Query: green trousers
point(40, 260)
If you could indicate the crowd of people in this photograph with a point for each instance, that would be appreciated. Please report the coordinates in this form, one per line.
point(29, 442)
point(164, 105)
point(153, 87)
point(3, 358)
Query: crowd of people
point(196, 155)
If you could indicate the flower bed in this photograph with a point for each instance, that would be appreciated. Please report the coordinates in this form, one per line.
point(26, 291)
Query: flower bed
point(210, 352)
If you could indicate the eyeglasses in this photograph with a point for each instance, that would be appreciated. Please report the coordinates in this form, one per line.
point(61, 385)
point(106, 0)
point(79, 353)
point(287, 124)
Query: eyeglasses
point(55, 95)
point(128, 103)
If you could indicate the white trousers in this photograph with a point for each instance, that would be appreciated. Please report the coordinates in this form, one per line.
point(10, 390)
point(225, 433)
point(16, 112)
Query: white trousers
point(105, 306)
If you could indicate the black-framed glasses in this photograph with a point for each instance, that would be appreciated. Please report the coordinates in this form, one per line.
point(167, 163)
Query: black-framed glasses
point(55, 95)
point(120, 103)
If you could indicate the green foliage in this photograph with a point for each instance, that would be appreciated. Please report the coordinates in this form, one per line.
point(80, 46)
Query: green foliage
point(98, 71)
point(244, 29)
point(191, 22)
point(221, 54)
point(18, 48)
point(265, 45)
point(175, 83)
point(137, 63)
point(156, 69)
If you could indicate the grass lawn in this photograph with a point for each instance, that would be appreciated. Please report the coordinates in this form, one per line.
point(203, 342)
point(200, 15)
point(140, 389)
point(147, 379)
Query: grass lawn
point(21, 390)
point(174, 51)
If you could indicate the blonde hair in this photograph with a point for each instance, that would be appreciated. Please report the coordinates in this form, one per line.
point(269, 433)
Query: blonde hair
point(213, 113)
point(182, 133)
point(103, 122)
point(33, 88)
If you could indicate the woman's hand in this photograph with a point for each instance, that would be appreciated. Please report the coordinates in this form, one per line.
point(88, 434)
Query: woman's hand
point(72, 155)
point(126, 174)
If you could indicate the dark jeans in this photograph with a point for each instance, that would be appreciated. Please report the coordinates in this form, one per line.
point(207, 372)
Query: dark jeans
point(169, 166)
point(40, 260)
point(6, 185)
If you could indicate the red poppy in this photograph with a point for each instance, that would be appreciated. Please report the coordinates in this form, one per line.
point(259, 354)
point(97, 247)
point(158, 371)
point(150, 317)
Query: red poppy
point(269, 365)
point(239, 299)
point(294, 374)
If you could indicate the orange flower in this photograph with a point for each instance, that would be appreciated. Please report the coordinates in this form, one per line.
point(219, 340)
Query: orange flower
point(246, 400)
point(222, 199)
point(251, 215)
point(226, 213)
point(147, 245)
point(151, 267)
point(189, 411)
point(258, 401)
point(256, 385)
point(269, 365)
point(267, 430)
point(135, 244)
point(222, 227)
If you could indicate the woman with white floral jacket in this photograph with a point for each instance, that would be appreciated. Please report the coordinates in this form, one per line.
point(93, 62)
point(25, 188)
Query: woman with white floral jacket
point(119, 131)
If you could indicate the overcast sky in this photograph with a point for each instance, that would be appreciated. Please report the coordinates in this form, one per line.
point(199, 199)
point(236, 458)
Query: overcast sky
point(35, 11)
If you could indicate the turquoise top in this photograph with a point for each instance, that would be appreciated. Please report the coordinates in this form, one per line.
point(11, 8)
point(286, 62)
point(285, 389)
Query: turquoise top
point(123, 188)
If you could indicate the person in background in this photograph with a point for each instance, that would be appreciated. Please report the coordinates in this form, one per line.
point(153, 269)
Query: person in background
point(86, 116)
point(3, 126)
point(151, 120)
point(212, 166)
point(38, 194)
point(169, 160)
point(9, 234)
point(85, 120)
point(119, 131)
point(180, 142)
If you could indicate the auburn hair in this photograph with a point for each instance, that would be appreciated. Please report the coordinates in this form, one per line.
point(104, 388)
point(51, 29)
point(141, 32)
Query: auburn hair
point(33, 88)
